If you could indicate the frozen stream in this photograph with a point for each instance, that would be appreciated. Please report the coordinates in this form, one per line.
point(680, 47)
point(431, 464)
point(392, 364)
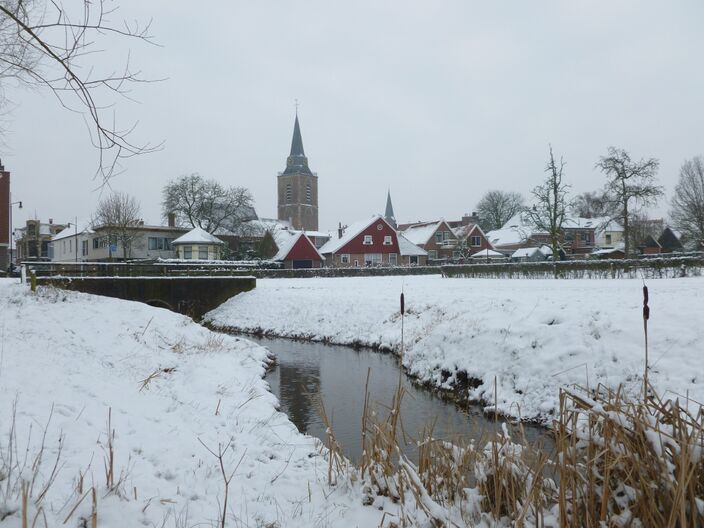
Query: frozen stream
point(307, 371)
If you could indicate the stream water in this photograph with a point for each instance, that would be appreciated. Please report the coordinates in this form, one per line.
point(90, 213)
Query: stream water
point(308, 373)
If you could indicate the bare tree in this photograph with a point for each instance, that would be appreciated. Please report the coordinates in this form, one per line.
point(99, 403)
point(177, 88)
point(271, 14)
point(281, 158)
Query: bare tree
point(118, 216)
point(592, 205)
point(44, 43)
point(641, 226)
point(207, 204)
point(687, 205)
point(497, 207)
point(550, 207)
point(630, 184)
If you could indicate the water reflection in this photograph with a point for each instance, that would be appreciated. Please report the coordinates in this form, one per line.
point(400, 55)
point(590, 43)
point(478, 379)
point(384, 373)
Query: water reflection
point(308, 373)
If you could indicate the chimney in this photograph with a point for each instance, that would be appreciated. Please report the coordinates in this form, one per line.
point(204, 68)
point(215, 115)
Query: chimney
point(339, 230)
point(172, 219)
point(51, 221)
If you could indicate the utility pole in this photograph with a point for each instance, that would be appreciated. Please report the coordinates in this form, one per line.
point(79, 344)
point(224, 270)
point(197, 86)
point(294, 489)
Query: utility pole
point(75, 230)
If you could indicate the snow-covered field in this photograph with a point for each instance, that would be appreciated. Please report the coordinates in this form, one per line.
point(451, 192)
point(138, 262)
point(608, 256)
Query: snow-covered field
point(533, 336)
point(69, 360)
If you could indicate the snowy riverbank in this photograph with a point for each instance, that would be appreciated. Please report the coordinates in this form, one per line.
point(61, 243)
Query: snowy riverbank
point(69, 360)
point(534, 336)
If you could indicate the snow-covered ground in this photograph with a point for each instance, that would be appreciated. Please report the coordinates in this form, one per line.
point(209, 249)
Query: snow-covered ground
point(70, 360)
point(533, 336)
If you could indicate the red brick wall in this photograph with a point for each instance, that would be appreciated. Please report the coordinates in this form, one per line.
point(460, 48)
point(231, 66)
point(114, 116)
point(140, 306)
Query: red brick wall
point(355, 246)
point(443, 251)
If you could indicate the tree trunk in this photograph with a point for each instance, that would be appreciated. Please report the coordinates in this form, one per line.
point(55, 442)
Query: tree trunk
point(626, 231)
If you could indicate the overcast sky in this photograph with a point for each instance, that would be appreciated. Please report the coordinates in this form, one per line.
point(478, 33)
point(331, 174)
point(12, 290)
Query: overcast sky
point(438, 101)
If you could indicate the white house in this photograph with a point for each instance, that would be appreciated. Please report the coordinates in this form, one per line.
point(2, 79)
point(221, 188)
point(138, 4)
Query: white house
point(87, 244)
point(198, 244)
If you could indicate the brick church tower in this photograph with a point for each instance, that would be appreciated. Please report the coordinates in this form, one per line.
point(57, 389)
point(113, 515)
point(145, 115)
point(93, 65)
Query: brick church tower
point(298, 188)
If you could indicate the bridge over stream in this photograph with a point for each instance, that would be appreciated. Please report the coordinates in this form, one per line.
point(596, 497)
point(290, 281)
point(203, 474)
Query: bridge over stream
point(192, 294)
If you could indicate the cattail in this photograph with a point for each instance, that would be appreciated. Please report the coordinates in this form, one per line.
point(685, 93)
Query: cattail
point(646, 308)
point(403, 305)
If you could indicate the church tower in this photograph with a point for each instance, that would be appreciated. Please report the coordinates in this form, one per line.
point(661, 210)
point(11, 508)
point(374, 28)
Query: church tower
point(298, 187)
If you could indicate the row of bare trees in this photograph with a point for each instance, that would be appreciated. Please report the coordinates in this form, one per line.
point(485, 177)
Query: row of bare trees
point(631, 186)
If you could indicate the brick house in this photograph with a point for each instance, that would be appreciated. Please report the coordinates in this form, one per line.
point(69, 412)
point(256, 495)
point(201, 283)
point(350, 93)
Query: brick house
point(471, 240)
point(297, 251)
point(437, 238)
point(372, 242)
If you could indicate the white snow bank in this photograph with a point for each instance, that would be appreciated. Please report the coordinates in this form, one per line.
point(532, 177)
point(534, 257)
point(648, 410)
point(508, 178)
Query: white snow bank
point(83, 355)
point(534, 336)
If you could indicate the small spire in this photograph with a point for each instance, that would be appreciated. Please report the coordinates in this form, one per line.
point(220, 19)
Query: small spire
point(297, 141)
point(389, 214)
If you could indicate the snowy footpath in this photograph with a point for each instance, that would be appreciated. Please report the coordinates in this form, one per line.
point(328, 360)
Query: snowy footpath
point(531, 336)
point(172, 392)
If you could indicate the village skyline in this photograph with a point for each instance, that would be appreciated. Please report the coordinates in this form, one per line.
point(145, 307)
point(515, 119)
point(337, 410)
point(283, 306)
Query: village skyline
point(439, 119)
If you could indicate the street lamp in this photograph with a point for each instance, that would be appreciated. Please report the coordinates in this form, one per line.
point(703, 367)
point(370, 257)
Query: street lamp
point(11, 233)
point(75, 232)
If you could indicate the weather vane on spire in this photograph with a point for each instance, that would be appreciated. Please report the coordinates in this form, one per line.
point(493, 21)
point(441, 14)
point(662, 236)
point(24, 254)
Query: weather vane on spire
point(296, 106)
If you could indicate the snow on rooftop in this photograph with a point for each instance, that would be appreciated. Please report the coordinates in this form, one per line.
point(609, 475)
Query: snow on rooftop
point(351, 231)
point(488, 253)
point(285, 240)
point(408, 248)
point(197, 235)
point(420, 234)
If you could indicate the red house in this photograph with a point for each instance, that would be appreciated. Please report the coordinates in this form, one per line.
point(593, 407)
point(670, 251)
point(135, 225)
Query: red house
point(296, 251)
point(472, 240)
point(372, 242)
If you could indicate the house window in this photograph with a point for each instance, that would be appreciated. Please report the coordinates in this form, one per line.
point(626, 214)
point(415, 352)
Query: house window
point(585, 237)
point(413, 259)
point(438, 237)
point(368, 240)
point(446, 235)
point(608, 239)
point(456, 254)
point(432, 255)
point(309, 194)
point(345, 259)
point(372, 259)
point(203, 252)
point(84, 248)
point(387, 240)
point(476, 241)
point(356, 263)
point(187, 252)
point(289, 193)
point(159, 243)
point(393, 259)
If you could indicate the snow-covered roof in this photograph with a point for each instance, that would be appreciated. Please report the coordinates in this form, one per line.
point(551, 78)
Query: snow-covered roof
point(525, 252)
point(285, 240)
point(421, 233)
point(351, 231)
point(197, 235)
point(488, 253)
point(408, 248)
point(70, 231)
point(599, 223)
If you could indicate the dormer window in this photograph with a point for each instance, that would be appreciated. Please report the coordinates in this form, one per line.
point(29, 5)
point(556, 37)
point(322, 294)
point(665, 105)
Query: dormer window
point(368, 240)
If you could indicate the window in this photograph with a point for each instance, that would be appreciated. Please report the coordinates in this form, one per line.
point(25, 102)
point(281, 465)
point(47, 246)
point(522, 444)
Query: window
point(456, 254)
point(203, 252)
point(84, 248)
point(187, 252)
point(344, 259)
point(432, 255)
point(289, 193)
point(356, 263)
point(159, 243)
point(413, 259)
point(446, 235)
point(372, 259)
point(438, 237)
point(584, 236)
point(309, 194)
point(393, 259)
point(368, 240)
point(608, 239)
point(475, 241)
point(387, 240)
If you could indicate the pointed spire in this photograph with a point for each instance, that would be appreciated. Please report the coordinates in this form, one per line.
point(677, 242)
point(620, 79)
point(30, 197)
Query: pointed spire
point(297, 141)
point(389, 214)
point(297, 161)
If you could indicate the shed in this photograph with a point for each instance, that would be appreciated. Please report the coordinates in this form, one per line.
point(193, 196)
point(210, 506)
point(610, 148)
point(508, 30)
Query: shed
point(198, 244)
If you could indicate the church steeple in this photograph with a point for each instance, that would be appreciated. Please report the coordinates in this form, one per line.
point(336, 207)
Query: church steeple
point(297, 163)
point(389, 213)
point(298, 187)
